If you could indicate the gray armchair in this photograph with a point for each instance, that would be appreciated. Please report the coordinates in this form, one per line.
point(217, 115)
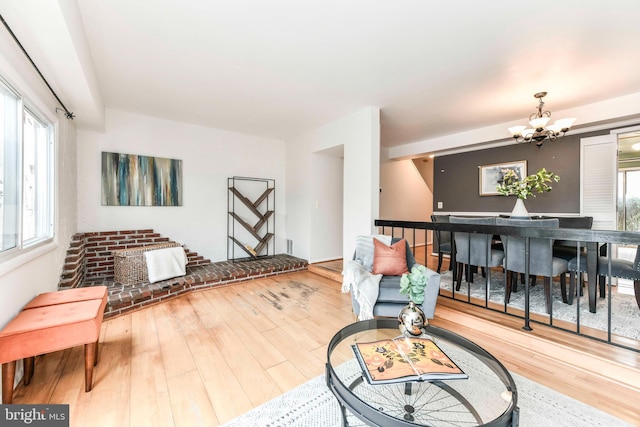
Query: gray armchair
point(390, 301)
point(541, 259)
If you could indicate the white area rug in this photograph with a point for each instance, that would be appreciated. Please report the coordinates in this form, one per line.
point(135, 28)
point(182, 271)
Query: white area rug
point(625, 314)
point(313, 405)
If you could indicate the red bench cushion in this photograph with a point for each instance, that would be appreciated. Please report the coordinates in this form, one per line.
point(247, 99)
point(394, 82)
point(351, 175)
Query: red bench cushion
point(51, 328)
point(67, 296)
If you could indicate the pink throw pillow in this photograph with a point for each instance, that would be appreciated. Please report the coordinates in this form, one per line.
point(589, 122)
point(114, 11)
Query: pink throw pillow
point(390, 260)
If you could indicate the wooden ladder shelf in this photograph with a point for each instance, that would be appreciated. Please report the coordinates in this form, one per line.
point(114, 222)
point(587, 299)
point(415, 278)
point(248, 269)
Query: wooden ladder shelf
point(262, 208)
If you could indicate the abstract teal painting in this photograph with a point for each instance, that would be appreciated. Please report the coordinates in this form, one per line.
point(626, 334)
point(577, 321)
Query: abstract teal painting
point(133, 180)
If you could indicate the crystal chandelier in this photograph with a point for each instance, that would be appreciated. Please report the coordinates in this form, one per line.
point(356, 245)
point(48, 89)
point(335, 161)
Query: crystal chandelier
point(539, 131)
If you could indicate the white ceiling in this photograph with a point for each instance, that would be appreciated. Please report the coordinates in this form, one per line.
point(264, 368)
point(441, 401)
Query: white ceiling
point(279, 68)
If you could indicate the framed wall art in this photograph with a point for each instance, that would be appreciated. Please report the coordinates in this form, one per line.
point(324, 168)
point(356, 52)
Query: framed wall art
point(134, 180)
point(492, 175)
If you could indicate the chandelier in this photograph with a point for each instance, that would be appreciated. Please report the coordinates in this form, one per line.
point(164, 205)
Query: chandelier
point(539, 131)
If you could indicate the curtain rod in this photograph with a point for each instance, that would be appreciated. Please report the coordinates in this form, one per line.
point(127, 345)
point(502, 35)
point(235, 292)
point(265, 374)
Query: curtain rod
point(67, 113)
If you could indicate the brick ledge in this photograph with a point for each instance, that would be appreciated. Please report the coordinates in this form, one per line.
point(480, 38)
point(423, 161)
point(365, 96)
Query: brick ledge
point(126, 298)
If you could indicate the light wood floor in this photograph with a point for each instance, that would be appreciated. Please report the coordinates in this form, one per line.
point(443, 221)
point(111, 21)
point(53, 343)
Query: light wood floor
point(201, 359)
point(207, 357)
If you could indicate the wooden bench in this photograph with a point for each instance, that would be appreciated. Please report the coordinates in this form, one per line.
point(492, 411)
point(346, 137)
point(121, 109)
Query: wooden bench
point(51, 322)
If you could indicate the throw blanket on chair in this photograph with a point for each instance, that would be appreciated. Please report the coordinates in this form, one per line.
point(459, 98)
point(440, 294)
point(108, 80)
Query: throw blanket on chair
point(166, 263)
point(363, 285)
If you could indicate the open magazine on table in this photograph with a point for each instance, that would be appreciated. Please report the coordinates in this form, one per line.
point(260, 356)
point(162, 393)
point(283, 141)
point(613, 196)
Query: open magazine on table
point(403, 359)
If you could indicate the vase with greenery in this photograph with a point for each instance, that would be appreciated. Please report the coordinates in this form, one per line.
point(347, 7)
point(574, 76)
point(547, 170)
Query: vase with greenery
point(411, 319)
point(528, 186)
point(413, 284)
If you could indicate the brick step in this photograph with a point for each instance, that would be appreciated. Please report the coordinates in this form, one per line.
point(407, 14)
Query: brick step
point(90, 256)
point(126, 298)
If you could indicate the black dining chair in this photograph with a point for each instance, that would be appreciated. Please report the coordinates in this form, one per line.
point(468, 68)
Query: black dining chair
point(442, 244)
point(541, 260)
point(567, 249)
point(620, 268)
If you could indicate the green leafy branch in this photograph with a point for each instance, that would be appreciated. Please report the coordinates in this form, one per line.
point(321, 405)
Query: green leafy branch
point(538, 183)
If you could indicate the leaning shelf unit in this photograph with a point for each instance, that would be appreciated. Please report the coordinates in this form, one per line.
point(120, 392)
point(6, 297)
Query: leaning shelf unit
point(251, 219)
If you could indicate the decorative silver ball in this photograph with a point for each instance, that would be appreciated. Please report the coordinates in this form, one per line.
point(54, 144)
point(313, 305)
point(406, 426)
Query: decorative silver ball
point(411, 320)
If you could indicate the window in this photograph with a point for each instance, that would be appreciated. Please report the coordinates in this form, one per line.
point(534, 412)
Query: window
point(36, 178)
point(9, 188)
point(629, 200)
point(26, 190)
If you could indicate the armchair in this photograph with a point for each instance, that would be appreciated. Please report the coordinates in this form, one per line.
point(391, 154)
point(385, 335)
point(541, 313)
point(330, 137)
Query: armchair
point(389, 300)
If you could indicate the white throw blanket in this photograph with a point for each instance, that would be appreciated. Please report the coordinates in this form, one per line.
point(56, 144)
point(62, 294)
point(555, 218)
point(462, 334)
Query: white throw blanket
point(363, 285)
point(166, 263)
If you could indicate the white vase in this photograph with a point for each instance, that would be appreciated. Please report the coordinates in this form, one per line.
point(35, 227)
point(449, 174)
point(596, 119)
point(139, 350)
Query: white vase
point(519, 210)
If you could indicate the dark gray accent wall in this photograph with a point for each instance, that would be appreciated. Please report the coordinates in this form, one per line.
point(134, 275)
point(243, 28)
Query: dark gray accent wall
point(456, 177)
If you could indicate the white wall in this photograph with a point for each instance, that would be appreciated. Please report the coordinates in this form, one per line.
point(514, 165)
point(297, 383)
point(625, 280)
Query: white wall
point(66, 188)
point(361, 176)
point(326, 210)
point(359, 136)
point(298, 209)
point(209, 156)
point(405, 195)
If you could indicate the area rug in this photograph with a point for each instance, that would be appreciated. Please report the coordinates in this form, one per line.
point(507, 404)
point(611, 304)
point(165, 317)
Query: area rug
point(625, 314)
point(313, 405)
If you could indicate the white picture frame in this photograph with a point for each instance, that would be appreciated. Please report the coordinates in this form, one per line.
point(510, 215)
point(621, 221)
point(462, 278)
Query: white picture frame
point(491, 175)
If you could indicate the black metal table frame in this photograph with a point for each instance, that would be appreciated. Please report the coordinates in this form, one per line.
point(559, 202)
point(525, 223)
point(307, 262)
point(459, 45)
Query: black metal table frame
point(371, 416)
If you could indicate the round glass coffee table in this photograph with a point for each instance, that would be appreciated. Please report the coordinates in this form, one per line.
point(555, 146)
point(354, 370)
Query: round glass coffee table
point(487, 397)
